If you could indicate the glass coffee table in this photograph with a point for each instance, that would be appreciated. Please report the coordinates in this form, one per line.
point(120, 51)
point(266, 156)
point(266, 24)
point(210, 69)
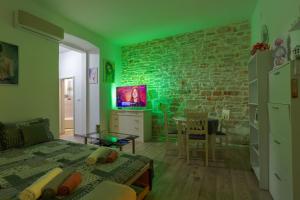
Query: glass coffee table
point(111, 139)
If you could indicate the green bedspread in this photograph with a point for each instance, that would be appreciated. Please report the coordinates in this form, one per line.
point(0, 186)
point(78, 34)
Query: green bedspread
point(19, 168)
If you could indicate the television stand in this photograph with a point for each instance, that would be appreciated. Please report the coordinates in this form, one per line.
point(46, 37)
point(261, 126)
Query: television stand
point(133, 122)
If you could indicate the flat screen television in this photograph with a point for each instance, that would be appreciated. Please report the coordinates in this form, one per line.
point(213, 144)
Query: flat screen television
point(132, 96)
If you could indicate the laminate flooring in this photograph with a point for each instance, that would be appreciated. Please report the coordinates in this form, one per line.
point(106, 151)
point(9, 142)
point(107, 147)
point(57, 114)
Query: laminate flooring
point(229, 177)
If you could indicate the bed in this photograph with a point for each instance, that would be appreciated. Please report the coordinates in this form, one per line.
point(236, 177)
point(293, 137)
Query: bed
point(20, 167)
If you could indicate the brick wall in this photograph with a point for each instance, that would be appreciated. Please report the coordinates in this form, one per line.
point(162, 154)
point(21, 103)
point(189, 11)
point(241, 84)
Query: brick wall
point(204, 70)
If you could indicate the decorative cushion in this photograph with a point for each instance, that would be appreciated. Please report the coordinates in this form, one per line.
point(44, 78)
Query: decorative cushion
point(1, 133)
point(10, 136)
point(43, 121)
point(34, 134)
point(196, 137)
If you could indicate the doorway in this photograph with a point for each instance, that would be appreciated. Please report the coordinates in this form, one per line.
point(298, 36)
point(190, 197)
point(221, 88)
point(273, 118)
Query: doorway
point(79, 97)
point(67, 106)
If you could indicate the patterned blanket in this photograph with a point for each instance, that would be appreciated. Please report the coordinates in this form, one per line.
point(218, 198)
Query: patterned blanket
point(19, 168)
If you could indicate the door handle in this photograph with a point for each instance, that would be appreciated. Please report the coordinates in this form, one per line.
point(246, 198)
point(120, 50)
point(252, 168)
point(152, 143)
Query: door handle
point(277, 176)
point(276, 142)
point(275, 107)
point(276, 73)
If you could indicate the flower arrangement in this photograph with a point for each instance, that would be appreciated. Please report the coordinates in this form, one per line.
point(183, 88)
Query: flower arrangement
point(261, 46)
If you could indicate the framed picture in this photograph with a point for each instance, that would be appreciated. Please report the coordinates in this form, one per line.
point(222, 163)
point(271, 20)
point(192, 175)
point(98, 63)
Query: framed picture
point(109, 72)
point(93, 75)
point(9, 63)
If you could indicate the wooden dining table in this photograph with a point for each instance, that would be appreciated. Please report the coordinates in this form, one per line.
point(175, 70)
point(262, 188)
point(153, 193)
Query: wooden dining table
point(213, 125)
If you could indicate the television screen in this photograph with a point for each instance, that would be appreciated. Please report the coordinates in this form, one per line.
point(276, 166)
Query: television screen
point(132, 96)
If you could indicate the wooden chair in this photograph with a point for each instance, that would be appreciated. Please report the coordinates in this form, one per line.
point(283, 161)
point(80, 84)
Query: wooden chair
point(181, 129)
point(170, 133)
point(197, 132)
point(223, 127)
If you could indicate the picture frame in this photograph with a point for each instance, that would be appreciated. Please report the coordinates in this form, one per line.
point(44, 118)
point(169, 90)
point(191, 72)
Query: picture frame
point(9, 64)
point(109, 71)
point(93, 75)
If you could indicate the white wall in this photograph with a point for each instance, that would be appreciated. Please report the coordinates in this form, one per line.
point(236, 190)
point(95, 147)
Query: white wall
point(278, 15)
point(36, 95)
point(93, 95)
point(73, 64)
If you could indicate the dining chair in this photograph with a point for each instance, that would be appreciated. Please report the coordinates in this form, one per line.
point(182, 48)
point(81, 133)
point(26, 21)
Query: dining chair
point(197, 132)
point(181, 129)
point(170, 133)
point(223, 127)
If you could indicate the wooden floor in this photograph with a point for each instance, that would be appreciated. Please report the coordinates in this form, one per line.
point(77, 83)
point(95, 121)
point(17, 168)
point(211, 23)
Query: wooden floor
point(227, 178)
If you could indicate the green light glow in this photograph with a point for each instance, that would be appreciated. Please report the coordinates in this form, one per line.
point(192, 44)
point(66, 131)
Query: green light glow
point(110, 138)
point(113, 96)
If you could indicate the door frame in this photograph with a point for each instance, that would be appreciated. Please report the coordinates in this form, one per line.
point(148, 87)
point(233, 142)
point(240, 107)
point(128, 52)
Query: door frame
point(61, 104)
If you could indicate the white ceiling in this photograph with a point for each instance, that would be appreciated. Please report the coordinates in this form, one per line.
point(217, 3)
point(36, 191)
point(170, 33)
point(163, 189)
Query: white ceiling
point(131, 21)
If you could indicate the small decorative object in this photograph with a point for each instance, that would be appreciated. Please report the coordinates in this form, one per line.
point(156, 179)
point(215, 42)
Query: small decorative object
point(259, 46)
point(109, 75)
point(265, 34)
point(280, 52)
point(93, 75)
point(98, 128)
point(296, 52)
point(9, 63)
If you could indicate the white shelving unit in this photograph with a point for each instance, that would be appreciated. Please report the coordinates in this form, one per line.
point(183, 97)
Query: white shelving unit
point(284, 115)
point(258, 68)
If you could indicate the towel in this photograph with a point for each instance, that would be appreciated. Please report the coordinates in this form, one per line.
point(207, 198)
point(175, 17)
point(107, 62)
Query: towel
point(112, 157)
point(70, 184)
point(34, 191)
point(98, 155)
point(50, 190)
point(111, 191)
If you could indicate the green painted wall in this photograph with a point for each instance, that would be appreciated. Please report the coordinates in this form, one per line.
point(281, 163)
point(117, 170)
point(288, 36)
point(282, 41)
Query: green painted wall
point(37, 92)
point(277, 14)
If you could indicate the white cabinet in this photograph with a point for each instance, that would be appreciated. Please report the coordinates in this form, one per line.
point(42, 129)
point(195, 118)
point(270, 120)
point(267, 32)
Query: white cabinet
point(284, 115)
point(134, 122)
point(258, 69)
